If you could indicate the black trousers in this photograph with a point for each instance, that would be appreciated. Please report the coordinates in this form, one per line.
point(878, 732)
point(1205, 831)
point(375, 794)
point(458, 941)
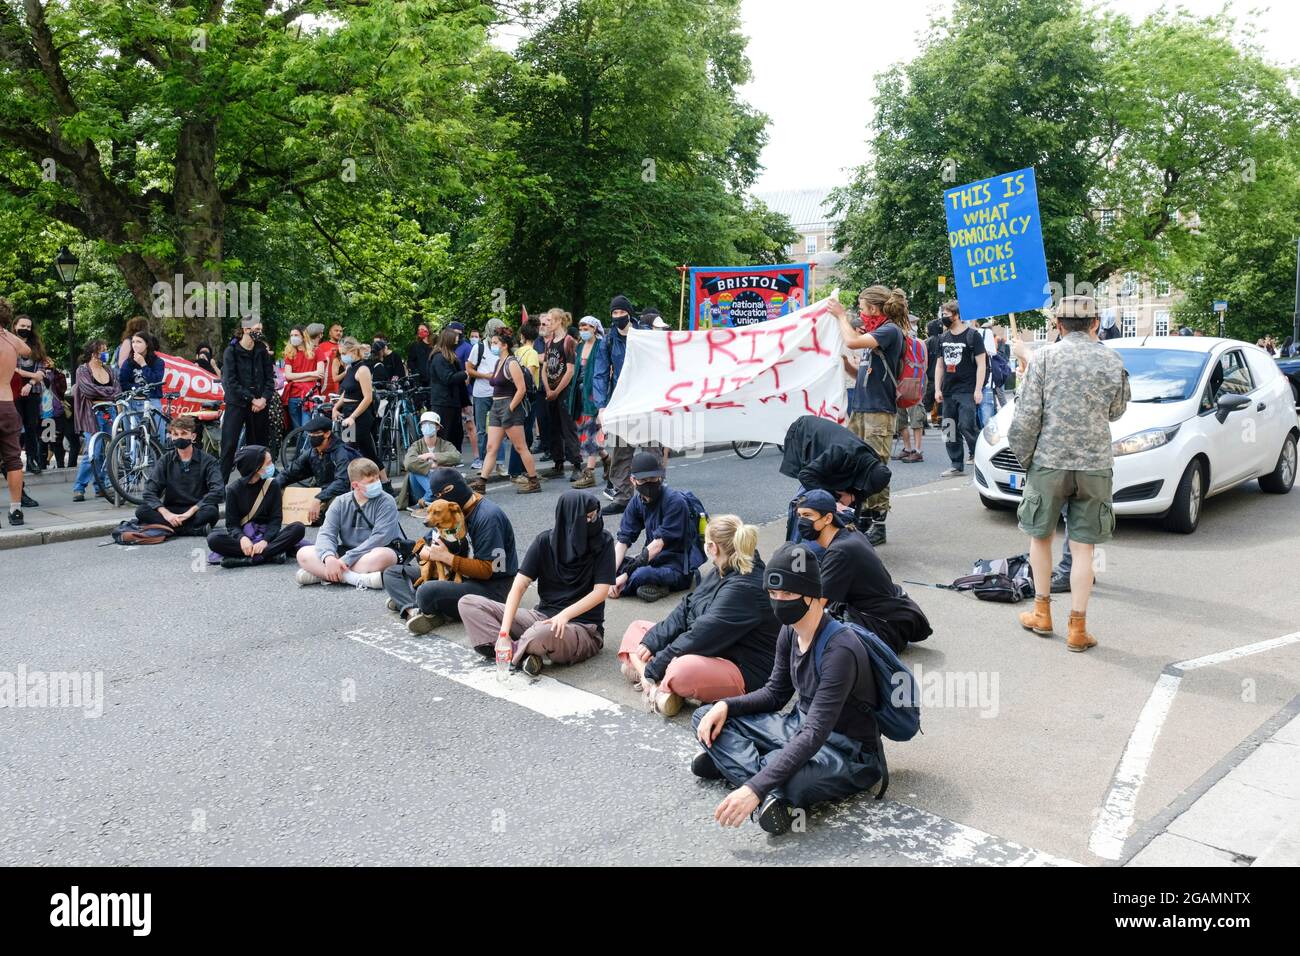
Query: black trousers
point(438, 597)
point(225, 542)
point(453, 429)
point(237, 418)
point(564, 433)
point(29, 408)
point(67, 433)
point(206, 515)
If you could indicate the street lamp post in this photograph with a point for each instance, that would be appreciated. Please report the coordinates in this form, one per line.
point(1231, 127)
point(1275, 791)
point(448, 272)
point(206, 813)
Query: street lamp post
point(66, 266)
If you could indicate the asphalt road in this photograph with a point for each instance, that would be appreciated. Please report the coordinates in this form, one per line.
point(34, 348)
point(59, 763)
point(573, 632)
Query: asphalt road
point(248, 721)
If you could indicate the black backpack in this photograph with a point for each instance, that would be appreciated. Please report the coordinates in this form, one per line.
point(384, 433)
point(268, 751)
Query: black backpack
point(1005, 580)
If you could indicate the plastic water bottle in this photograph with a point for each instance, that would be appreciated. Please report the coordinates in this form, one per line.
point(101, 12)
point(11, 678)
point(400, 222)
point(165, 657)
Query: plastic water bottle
point(505, 651)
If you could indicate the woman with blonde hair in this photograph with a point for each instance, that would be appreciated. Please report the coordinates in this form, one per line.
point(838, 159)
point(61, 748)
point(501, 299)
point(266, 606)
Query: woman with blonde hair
point(720, 640)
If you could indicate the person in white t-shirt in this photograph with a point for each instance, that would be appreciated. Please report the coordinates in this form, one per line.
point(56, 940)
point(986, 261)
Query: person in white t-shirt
point(479, 366)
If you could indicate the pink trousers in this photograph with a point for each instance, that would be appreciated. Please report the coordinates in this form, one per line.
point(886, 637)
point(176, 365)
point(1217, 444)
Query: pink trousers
point(706, 679)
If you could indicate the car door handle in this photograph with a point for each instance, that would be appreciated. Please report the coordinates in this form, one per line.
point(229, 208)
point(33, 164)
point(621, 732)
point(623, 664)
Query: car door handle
point(1260, 407)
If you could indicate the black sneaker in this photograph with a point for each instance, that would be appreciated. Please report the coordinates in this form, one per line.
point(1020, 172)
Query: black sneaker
point(615, 507)
point(78, 496)
point(608, 491)
point(704, 767)
point(16, 518)
point(774, 816)
point(236, 562)
point(876, 533)
point(280, 558)
point(531, 665)
point(650, 592)
point(1060, 582)
point(29, 501)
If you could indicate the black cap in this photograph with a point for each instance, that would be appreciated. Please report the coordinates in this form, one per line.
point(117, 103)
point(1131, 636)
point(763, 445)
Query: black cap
point(620, 302)
point(318, 423)
point(646, 465)
point(449, 485)
point(249, 459)
point(794, 568)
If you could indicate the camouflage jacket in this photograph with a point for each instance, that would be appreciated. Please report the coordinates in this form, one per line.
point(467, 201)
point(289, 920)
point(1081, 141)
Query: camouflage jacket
point(1072, 390)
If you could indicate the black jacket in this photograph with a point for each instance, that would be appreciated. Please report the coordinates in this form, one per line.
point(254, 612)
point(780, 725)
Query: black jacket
point(821, 454)
point(854, 577)
point(417, 361)
point(240, 496)
point(727, 616)
point(445, 379)
point(329, 471)
point(173, 486)
point(247, 374)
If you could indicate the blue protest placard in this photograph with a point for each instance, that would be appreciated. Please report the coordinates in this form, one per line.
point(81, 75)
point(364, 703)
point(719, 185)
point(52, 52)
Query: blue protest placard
point(995, 236)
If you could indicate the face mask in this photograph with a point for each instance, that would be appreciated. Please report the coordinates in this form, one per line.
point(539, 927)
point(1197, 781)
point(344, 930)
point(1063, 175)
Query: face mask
point(374, 489)
point(316, 440)
point(947, 320)
point(806, 529)
point(295, 340)
point(255, 335)
point(268, 472)
point(595, 528)
point(24, 333)
point(428, 429)
point(586, 335)
point(180, 444)
point(651, 491)
point(473, 340)
point(494, 349)
point(789, 612)
point(347, 359)
point(103, 357)
point(620, 322)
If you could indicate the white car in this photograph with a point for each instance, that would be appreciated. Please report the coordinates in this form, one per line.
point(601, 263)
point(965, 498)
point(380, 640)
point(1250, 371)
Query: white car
point(1205, 414)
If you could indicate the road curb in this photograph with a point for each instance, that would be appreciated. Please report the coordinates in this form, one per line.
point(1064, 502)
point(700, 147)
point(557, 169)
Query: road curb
point(11, 541)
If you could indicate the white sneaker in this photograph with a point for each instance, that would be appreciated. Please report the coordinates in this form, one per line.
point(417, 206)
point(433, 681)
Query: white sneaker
point(374, 581)
point(305, 577)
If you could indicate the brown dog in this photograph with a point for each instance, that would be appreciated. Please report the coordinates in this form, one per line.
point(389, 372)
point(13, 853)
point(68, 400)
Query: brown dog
point(445, 518)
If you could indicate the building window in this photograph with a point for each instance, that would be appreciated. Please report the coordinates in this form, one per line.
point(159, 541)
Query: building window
point(1129, 287)
point(1162, 323)
point(1128, 323)
point(1162, 288)
point(1040, 335)
point(810, 245)
point(1107, 219)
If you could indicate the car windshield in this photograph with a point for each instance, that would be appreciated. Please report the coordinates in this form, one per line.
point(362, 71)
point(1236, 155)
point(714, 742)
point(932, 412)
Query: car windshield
point(1162, 375)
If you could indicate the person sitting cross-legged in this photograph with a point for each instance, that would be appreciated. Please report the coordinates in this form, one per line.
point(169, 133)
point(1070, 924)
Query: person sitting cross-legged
point(352, 544)
point(429, 451)
point(720, 640)
point(826, 748)
point(487, 571)
point(573, 565)
point(671, 555)
point(184, 489)
point(254, 533)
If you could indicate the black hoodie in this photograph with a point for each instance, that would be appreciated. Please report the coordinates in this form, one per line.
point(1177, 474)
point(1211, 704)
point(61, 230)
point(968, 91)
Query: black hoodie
point(247, 374)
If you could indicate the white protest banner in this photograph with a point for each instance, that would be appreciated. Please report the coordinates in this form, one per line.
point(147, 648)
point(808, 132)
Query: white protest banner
point(686, 389)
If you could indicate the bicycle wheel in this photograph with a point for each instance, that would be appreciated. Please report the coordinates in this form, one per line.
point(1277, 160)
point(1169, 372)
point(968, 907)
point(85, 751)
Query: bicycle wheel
point(389, 437)
point(291, 446)
point(131, 456)
point(747, 449)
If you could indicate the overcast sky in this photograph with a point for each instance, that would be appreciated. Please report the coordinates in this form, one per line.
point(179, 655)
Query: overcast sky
point(814, 64)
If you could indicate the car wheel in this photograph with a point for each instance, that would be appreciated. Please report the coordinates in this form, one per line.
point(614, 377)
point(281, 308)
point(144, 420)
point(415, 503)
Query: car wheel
point(1282, 477)
point(994, 504)
point(1185, 513)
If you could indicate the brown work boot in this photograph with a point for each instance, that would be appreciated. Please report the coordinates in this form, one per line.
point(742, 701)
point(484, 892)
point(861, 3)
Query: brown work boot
point(531, 486)
point(1039, 620)
point(1079, 639)
point(478, 485)
point(587, 480)
point(604, 463)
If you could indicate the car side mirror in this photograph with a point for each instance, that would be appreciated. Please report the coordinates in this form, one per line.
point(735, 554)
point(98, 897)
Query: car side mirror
point(1228, 404)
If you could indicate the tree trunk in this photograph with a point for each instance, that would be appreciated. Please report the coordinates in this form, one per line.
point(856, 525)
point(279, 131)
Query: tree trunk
point(200, 215)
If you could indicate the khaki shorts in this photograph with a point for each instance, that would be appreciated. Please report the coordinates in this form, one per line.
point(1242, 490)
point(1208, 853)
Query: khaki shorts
point(1086, 495)
point(911, 417)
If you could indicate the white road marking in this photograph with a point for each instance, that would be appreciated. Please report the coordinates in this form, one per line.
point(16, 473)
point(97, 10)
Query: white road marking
point(1115, 817)
point(888, 826)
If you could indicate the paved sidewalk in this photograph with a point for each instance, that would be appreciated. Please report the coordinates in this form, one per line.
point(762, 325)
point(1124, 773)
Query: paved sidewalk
point(1250, 817)
point(59, 518)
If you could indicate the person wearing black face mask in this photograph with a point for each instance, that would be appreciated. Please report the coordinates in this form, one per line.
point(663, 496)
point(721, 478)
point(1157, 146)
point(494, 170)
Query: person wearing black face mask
point(573, 565)
point(248, 377)
point(672, 552)
point(826, 748)
point(185, 489)
point(323, 463)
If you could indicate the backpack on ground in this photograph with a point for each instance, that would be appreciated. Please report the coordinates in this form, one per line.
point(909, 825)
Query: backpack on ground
point(898, 697)
point(1004, 580)
point(132, 531)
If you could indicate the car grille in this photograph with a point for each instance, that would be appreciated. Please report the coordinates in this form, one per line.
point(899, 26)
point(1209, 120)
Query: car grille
point(1006, 489)
point(1140, 492)
point(980, 479)
point(1007, 461)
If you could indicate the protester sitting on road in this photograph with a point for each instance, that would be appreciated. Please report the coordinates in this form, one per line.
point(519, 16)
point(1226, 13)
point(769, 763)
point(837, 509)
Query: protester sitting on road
point(324, 463)
point(352, 544)
point(822, 454)
point(573, 565)
point(487, 572)
point(184, 489)
point(253, 533)
point(720, 640)
point(1073, 389)
point(672, 553)
point(826, 748)
point(429, 451)
point(96, 381)
point(855, 582)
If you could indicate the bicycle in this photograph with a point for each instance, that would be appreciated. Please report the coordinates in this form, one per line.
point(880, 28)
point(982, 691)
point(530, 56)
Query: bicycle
point(398, 421)
point(295, 443)
point(748, 450)
point(136, 443)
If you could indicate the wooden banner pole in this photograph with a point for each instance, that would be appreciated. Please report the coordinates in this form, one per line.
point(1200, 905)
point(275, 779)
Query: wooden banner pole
point(681, 305)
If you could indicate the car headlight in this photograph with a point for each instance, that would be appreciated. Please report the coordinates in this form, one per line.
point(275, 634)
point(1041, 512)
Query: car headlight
point(991, 433)
point(1144, 441)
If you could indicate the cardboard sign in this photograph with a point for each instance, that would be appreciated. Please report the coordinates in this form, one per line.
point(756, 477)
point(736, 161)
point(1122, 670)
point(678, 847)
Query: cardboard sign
point(734, 297)
point(995, 237)
point(685, 389)
point(295, 503)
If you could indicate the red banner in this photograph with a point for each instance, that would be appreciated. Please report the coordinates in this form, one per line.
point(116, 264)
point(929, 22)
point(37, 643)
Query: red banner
point(194, 384)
